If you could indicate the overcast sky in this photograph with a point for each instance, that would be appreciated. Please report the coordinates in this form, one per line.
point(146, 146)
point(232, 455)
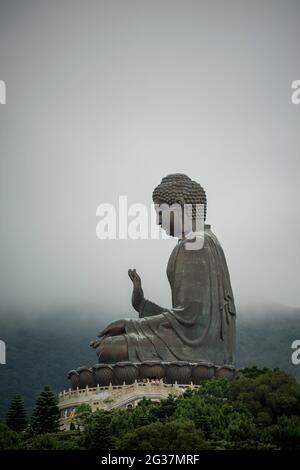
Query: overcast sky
point(104, 98)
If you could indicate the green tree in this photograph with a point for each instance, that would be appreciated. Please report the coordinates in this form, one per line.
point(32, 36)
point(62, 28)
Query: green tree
point(97, 432)
point(82, 415)
point(45, 417)
point(16, 416)
point(208, 407)
point(9, 439)
point(121, 422)
point(169, 435)
point(267, 394)
point(165, 409)
point(285, 434)
point(60, 441)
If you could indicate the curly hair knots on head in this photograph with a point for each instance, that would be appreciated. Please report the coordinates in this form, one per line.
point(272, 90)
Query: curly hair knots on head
point(179, 188)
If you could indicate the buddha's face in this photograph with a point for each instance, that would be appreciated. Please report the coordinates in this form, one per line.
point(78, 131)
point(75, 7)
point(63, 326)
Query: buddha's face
point(171, 219)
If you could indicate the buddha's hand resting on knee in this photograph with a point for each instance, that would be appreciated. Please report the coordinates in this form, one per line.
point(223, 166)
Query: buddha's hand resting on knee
point(113, 329)
point(137, 293)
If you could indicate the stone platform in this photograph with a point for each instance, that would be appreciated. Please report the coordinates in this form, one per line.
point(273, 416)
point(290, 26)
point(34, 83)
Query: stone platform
point(124, 384)
point(115, 396)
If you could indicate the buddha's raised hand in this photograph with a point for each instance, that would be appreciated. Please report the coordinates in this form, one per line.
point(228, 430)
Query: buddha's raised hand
point(137, 293)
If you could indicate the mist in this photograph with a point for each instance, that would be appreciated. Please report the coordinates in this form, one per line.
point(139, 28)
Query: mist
point(104, 99)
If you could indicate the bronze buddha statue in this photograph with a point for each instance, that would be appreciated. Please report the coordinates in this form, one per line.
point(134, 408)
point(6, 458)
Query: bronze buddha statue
point(200, 326)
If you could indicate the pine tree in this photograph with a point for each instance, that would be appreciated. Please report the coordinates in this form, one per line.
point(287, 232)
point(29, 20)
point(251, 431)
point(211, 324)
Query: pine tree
point(45, 417)
point(16, 416)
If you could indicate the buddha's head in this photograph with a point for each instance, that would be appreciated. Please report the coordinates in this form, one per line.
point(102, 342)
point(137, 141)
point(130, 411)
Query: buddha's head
point(180, 204)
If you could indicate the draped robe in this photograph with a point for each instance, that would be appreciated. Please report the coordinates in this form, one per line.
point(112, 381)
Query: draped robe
point(200, 326)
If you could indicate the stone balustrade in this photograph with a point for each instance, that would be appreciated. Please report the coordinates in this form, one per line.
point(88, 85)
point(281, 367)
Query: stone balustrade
point(115, 396)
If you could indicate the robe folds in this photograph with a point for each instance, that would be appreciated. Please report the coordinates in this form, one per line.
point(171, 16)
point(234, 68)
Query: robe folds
point(200, 326)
